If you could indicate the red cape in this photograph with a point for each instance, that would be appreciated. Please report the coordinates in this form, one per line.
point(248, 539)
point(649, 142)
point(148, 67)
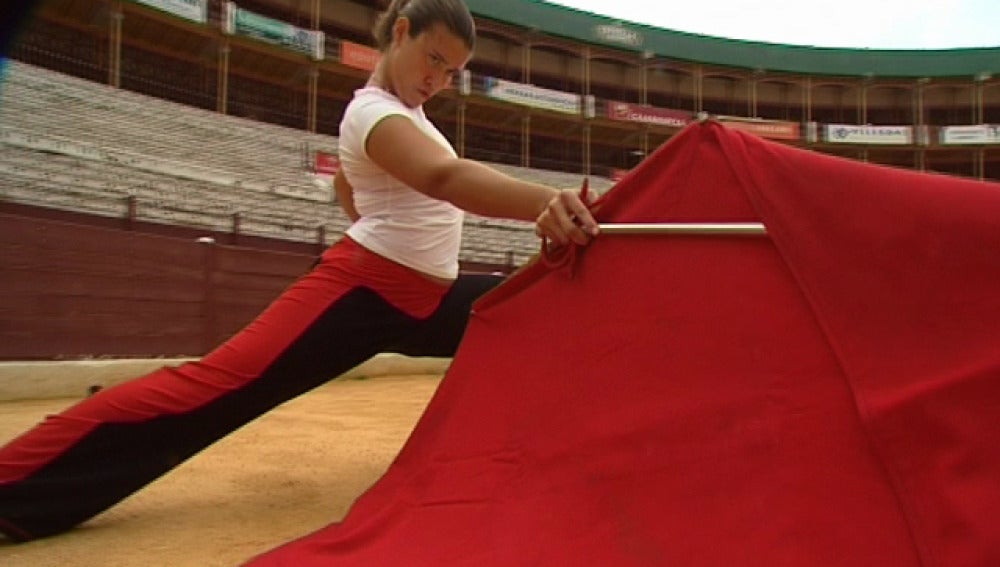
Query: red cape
point(827, 395)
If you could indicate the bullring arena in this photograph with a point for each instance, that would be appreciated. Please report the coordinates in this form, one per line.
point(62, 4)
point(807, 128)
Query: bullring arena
point(239, 498)
point(164, 174)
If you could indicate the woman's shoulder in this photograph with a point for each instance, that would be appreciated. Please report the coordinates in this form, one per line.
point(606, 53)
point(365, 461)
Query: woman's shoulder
point(370, 96)
point(370, 106)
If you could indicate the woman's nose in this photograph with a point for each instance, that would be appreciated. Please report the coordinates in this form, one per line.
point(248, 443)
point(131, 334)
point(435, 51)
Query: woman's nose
point(436, 79)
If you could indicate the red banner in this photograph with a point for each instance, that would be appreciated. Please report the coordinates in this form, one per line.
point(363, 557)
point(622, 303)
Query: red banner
point(618, 174)
point(774, 129)
point(327, 164)
point(648, 114)
point(358, 56)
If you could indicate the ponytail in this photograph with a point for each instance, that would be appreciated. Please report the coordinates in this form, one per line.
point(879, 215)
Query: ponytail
point(383, 25)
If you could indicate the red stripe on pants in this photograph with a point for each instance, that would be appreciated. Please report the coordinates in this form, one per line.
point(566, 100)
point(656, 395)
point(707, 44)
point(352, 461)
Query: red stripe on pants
point(237, 362)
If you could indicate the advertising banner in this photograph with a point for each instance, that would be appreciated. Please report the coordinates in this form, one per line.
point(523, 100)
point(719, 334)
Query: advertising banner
point(326, 163)
point(358, 56)
point(648, 114)
point(617, 175)
point(244, 22)
point(969, 135)
point(194, 10)
point(530, 95)
point(773, 129)
point(618, 34)
point(855, 134)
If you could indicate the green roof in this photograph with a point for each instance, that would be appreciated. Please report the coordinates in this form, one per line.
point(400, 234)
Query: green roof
point(590, 28)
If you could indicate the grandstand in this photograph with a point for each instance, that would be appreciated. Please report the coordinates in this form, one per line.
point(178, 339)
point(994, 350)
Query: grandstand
point(177, 118)
point(71, 144)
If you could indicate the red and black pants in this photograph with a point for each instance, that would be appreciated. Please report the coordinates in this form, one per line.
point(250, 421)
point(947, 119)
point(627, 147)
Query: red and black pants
point(352, 305)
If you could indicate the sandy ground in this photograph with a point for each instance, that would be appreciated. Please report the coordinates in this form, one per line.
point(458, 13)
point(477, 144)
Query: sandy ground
point(290, 472)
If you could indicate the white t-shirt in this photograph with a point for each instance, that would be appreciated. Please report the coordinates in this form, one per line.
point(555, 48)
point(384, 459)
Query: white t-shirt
point(397, 221)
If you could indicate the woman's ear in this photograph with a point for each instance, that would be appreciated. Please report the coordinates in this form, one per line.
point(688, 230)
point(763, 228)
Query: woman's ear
point(400, 29)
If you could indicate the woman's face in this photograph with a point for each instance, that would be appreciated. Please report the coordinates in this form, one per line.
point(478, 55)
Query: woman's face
point(421, 66)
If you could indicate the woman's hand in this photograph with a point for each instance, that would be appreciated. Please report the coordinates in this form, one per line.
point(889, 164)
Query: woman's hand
point(566, 218)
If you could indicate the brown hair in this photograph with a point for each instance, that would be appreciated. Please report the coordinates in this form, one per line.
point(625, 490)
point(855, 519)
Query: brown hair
point(422, 15)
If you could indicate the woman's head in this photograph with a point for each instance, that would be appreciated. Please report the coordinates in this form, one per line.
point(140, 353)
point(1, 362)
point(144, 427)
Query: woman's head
point(422, 14)
point(423, 43)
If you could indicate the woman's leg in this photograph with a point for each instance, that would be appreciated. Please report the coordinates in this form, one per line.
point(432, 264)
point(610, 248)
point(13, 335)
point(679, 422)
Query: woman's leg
point(76, 464)
point(440, 334)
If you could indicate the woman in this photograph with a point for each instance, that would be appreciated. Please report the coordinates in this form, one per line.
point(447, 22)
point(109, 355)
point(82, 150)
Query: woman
point(391, 284)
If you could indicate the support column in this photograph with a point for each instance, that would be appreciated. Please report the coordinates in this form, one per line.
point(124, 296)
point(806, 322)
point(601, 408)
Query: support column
point(807, 93)
point(980, 112)
point(752, 95)
point(115, 44)
point(863, 109)
point(464, 90)
point(526, 63)
point(981, 79)
point(813, 133)
point(313, 97)
point(460, 134)
point(585, 139)
point(863, 99)
point(526, 117)
point(918, 111)
point(646, 57)
point(919, 120)
point(222, 92)
point(526, 140)
point(977, 102)
point(698, 89)
point(315, 13)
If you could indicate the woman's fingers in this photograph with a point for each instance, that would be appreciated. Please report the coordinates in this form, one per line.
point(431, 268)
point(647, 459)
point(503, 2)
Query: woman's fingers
point(579, 213)
point(566, 219)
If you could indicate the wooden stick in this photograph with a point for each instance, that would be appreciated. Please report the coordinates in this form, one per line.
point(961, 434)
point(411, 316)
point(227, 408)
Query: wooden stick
point(732, 228)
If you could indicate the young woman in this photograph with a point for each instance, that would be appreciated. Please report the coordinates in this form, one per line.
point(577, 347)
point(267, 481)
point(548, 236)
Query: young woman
point(390, 285)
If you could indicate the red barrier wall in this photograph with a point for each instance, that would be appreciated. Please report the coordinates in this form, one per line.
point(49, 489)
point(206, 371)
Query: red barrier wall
point(73, 291)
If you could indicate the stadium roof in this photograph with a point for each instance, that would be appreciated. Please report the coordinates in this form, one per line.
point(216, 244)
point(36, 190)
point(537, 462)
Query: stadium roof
point(591, 28)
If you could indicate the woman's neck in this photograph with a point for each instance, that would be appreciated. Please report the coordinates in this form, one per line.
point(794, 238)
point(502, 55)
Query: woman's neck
point(379, 77)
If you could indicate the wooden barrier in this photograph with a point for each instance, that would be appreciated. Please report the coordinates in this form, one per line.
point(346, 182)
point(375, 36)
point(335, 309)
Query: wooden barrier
point(70, 291)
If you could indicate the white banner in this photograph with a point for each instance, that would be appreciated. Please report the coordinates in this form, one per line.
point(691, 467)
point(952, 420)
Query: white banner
point(618, 34)
point(236, 20)
point(855, 134)
point(195, 10)
point(977, 134)
point(530, 95)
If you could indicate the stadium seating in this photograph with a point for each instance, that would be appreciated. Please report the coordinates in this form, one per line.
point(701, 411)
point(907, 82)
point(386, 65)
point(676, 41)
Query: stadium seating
point(73, 144)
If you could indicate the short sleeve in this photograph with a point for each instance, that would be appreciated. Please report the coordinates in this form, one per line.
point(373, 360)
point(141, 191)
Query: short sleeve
point(366, 113)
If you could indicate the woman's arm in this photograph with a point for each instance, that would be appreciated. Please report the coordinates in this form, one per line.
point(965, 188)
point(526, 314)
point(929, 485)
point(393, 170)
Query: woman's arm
point(345, 195)
point(406, 153)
